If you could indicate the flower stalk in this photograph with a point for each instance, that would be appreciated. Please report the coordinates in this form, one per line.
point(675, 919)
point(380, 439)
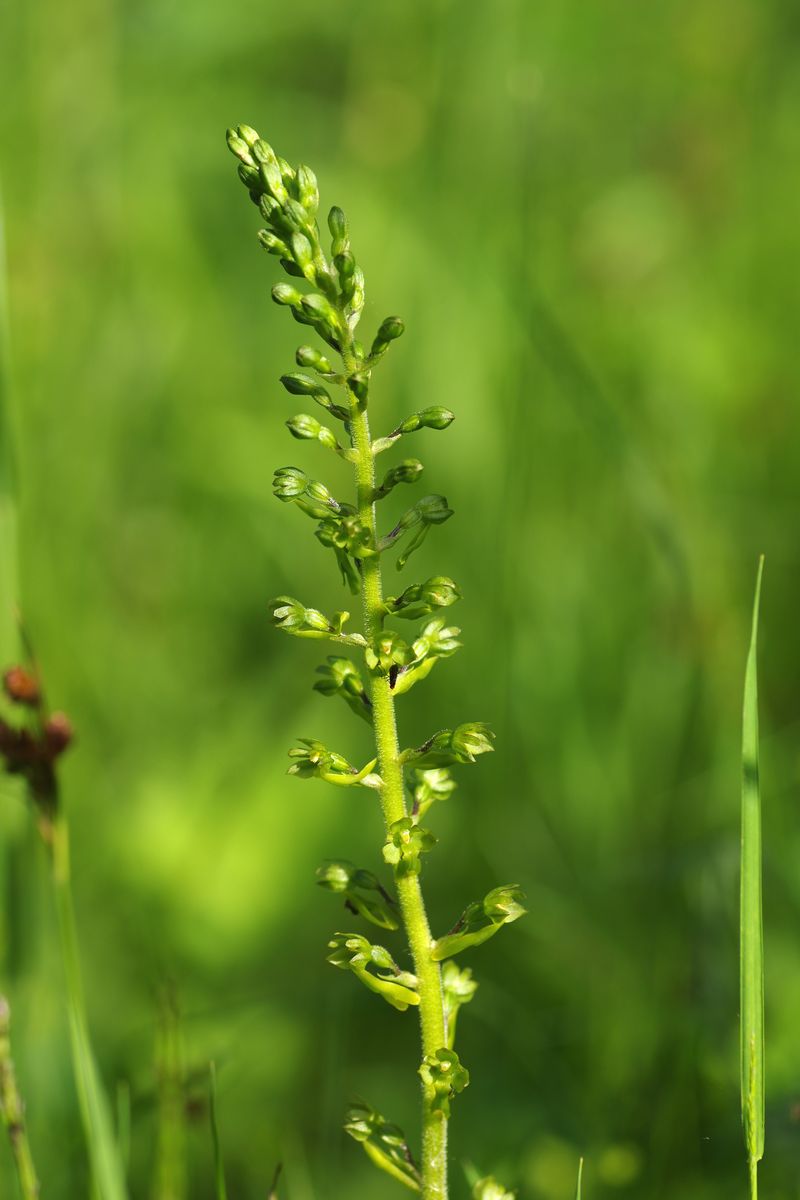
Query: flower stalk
point(408, 781)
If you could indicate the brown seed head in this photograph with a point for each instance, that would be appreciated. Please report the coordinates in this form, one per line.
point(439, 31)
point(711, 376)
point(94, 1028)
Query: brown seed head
point(58, 733)
point(22, 686)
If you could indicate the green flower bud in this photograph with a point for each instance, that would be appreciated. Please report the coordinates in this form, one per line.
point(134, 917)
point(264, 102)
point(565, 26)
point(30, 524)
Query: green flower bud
point(434, 417)
point(480, 921)
point(295, 215)
point(437, 640)
point(307, 189)
point(291, 268)
point(307, 356)
point(407, 471)
point(317, 492)
point(293, 617)
point(305, 427)
point(345, 265)
point(272, 181)
point(270, 209)
point(433, 510)
point(442, 1077)
point(345, 532)
point(303, 255)
point(460, 745)
point(313, 760)
point(341, 677)
point(321, 312)
point(387, 651)
point(359, 386)
point(273, 244)
point(362, 891)
point(421, 599)
point(490, 1189)
point(355, 294)
point(248, 134)
point(406, 843)
point(289, 483)
point(298, 384)
point(390, 329)
point(287, 171)
point(458, 988)
point(238, 146)
point(430, 510)
point(284, 293)
point(384, 1144)
point(337, 223)
point(375, 967)
point(430, 786)
point(249, 177)
point(336, 875)
point(469, 740)
point(262, 151)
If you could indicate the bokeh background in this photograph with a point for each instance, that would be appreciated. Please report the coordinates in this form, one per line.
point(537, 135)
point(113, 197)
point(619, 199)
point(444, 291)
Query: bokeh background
point(587, 215)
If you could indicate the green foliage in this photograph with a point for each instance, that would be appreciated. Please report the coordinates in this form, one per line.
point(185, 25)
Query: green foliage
point(220, 1188)
point(751, 921)
point(12, 1111)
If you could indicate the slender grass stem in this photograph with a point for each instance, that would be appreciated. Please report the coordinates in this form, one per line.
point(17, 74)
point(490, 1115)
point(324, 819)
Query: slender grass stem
point(12, 1110)
point(170, 1174)
point(220, 1188)
point(412, 906)
point(9, 569)
point(751, 955)
point(107, 1173)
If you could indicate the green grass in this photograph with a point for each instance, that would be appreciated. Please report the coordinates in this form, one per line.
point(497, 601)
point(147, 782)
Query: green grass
point(220, 1189)
point(751, 921)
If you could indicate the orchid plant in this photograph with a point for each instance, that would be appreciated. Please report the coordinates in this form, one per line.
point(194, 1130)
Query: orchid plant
point(326, 294)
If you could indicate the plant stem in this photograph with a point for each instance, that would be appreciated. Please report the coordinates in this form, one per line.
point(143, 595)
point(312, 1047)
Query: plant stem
point(12, 1111)
point(412, 907)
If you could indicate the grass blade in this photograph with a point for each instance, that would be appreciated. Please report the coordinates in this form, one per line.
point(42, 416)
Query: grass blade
point(9, 597)
point(751, 930)
point(12, 1111)
point(124, 1124)
point(108, 1176)
point(220, 1191)
point(171, 1178)
point(579, 1184)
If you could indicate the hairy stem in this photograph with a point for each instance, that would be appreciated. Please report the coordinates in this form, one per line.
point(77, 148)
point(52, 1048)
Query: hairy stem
point(412, 906)
point(12, 1111)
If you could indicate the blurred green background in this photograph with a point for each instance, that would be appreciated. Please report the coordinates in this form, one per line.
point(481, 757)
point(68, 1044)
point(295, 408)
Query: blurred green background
point(587, 215)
